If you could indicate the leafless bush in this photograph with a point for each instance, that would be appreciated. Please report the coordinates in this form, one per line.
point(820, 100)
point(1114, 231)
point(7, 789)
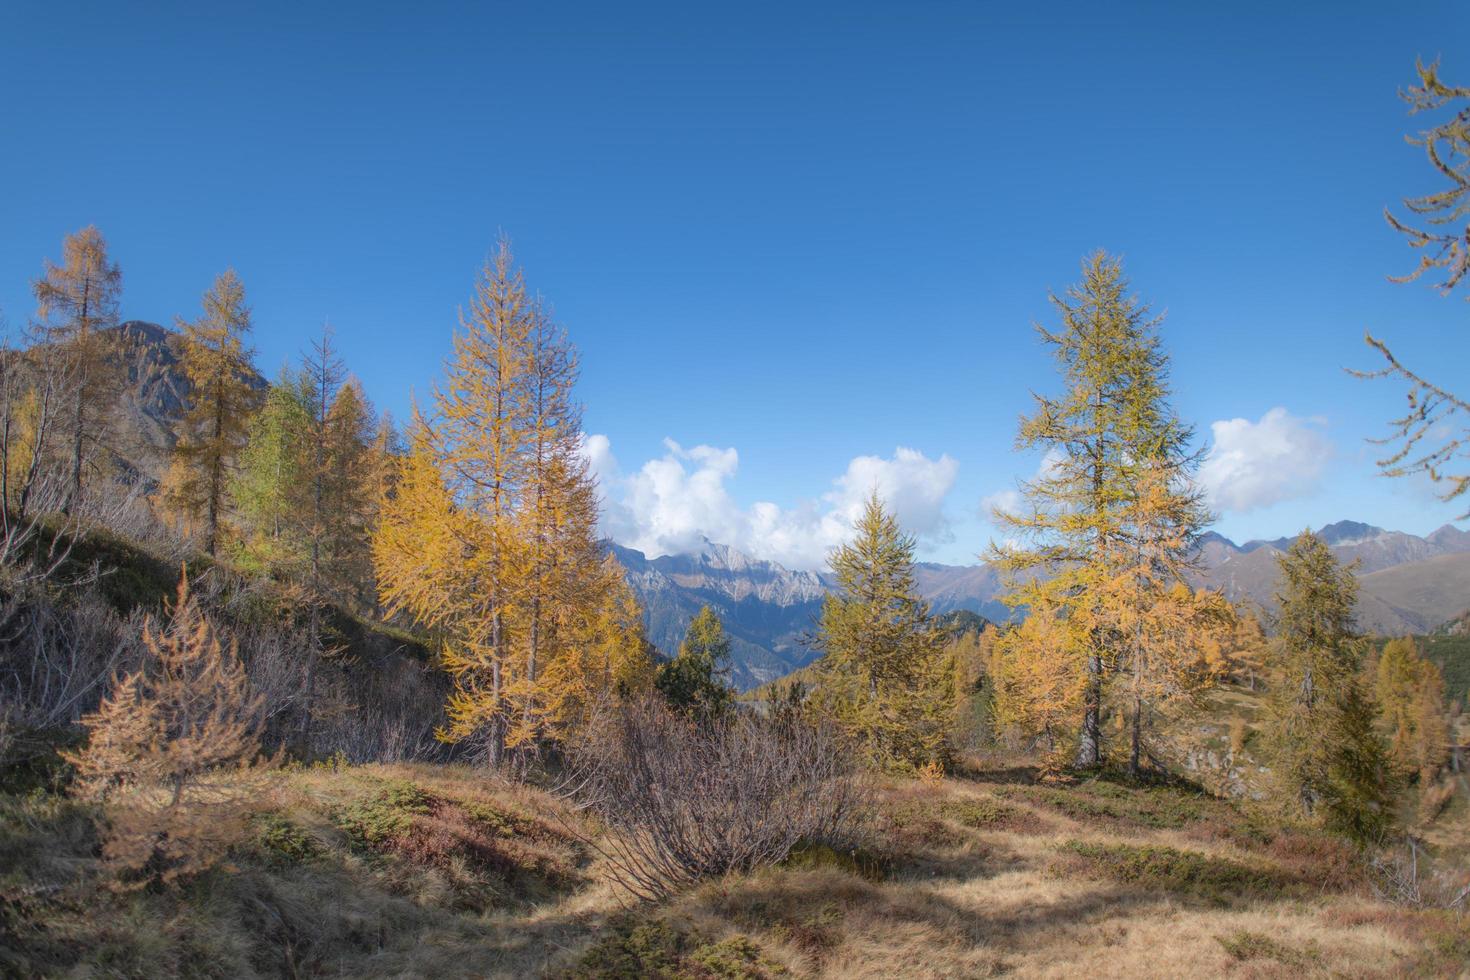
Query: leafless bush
point(685, 800)
point(55, 661)
point(1404, 876)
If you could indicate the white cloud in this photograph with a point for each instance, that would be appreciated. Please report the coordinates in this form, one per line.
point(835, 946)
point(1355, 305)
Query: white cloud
point(1005, 501)
point(674, 501)
point(1251, 465)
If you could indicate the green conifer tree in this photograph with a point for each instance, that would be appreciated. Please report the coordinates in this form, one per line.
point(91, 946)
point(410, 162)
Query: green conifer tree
point(883, 675)
point(695, 682)
point(1330, 762)
point(268, 488)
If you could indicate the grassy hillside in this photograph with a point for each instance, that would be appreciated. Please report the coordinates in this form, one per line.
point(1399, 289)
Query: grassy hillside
point(437, 871)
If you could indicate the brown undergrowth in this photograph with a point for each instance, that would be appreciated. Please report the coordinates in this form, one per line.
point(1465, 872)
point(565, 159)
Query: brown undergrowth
point(441, 871)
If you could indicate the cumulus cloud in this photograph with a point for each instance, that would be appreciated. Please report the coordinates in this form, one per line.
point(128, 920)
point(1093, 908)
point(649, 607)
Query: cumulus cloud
point(1251, 465)
point(673, 502)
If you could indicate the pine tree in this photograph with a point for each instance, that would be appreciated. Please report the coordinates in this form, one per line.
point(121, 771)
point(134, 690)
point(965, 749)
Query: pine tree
point(1075, 545)
point(216, 363)
point(171, 751)
point(695, 681)
point(883, 669)
point(1330, 762)
point(78, 306)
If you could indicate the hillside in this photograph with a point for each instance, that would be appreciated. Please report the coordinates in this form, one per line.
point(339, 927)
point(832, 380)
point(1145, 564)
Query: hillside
point(436, 871)
point(1425, 593)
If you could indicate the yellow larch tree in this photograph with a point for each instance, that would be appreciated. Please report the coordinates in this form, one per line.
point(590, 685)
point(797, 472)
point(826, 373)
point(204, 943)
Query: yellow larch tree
point(216, 363)
point(1071, 535)
point(1410, 694)
point(173, 751)
point(489, 536)
point(1169, 633)
point(1040, 681)
point(77, 305)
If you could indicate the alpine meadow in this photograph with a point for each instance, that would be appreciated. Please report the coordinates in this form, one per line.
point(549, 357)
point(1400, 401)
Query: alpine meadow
point(335, 640)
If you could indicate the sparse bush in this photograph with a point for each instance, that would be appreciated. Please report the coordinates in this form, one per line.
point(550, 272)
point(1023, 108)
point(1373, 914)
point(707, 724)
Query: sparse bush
point(1405, 876)
point(687, 800)
point(1239, 734)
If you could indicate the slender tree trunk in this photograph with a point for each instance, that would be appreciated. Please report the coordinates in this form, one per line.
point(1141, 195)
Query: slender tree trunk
point(1135, 768)
point(216, 488)
point(80, 401)
point(1089, 742)
point(495, 750)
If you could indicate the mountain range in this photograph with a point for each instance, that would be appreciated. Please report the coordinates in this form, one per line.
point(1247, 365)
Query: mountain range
point(1410, 584)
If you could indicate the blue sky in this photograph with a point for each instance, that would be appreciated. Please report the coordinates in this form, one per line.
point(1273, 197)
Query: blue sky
point(790, 239)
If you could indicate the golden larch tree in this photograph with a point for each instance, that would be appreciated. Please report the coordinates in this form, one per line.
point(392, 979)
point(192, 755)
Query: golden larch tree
point(77, 305)
point(173, 751)
point(1071, 538)
point(489, 536)
point(216, 361)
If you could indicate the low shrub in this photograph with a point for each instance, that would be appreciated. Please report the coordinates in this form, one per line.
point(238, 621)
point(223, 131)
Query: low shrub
point(1216, 880)
point(371, 822)
point(1243, 945)
point(978, 813)
point(283, 841)
point(858, 861)
point(657, 951)
point(688, 799)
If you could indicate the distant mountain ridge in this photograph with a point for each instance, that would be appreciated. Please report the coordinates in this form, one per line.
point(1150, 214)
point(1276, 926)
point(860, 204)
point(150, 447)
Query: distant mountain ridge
point(1410, 584)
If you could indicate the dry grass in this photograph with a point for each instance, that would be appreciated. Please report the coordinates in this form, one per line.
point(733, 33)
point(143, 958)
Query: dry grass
point(436, 871)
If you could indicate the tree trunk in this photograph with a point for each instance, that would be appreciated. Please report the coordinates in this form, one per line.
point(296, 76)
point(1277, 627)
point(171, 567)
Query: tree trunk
point(1089, 743)
point(495, 750)
point(313, 651)
point(1134, 768)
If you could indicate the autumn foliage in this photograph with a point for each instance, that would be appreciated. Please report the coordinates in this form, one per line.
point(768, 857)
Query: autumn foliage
point(172, 752)
point(489, 539)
